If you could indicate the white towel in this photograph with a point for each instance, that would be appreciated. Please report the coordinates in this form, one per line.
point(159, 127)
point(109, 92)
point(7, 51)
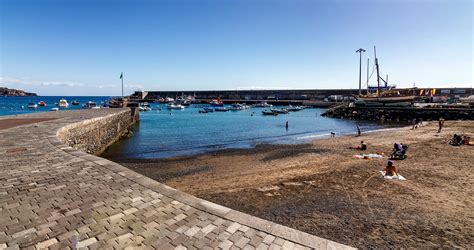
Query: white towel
point(395, 177)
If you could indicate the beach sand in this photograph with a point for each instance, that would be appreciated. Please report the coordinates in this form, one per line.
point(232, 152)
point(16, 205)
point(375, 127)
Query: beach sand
point(321, 189)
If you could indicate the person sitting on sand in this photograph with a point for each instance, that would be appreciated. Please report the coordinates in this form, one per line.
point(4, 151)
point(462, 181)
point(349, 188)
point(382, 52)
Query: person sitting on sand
point(390, 169)
point(362, 146)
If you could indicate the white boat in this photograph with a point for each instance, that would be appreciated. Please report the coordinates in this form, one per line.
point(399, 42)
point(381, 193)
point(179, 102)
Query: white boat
point(63, 103)
point(236, 107)
point(175, 106)
point(263, 105)
point(90, 105)
point(32, 105)
point(221, 109)
point(54, 109)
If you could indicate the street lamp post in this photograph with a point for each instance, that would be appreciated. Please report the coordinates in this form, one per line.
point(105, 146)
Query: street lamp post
point(360, 68)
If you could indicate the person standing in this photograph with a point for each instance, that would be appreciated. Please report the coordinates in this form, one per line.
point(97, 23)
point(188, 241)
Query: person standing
point(286, 125)
point(358, 131)
point(440, 124)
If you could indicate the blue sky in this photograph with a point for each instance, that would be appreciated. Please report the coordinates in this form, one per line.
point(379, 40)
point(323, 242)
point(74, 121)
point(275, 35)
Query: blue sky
point(80, 47)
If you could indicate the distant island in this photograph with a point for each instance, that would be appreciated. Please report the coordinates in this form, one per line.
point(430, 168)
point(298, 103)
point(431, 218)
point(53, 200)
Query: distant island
point(14, 92)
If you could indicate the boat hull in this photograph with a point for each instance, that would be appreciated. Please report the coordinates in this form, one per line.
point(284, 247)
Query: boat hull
point(390, 99)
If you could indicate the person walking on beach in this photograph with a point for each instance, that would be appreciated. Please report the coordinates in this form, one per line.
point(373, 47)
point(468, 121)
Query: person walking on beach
point(413, 124)
point(358, 131)
point(420, 122)
point(286, 125)
point(440, 124)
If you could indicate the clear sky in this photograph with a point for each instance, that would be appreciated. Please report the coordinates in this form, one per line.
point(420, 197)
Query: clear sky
point(80, 47)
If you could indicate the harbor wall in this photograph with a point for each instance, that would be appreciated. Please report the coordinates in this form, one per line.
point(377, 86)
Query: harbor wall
point(95, 135)
point(397, 114)
point(288, 94)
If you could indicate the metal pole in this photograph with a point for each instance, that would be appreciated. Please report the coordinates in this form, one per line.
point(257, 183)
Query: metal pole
point(360, 72)
point(360, 50)
point(367, 76)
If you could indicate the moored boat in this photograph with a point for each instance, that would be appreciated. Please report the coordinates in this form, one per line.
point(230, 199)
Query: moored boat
point(90, 105)
point(175, 106)
point(42, 104)
point(216, 103)
point(221, 109)
point(236, 107)
point(208, 109)
point(75, 102)
point(63, 103)
point(280, 111)
point(269, 112)
point(32, 105)
point(54, 109)
point(263, 105)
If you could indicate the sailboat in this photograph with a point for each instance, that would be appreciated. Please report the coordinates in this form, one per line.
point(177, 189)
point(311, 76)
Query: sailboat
point(384, 95)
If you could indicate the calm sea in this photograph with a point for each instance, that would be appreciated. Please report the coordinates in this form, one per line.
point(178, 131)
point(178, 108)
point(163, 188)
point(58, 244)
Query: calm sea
point(18, 105)
point(165, 133)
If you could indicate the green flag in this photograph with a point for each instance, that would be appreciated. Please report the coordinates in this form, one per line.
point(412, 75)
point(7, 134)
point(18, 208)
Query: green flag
point(121, 76)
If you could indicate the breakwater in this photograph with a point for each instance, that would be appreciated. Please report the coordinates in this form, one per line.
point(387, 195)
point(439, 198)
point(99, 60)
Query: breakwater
point(95, 135)
point(398, 113)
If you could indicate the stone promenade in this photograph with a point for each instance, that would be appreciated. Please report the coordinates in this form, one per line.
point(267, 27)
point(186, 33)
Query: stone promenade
point(54, 196)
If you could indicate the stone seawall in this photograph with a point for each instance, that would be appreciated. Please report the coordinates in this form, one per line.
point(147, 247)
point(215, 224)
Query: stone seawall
point(95, 135)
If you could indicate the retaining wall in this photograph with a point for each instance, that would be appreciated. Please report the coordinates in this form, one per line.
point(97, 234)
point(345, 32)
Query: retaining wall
point(95, 135)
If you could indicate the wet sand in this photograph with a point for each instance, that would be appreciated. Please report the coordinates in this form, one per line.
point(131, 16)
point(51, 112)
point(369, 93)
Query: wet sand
point(321, 189)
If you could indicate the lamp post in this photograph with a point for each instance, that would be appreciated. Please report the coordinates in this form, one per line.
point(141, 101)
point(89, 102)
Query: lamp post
point(360, 68)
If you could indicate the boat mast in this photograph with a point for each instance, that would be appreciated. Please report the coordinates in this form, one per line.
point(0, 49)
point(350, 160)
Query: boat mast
point(367, 76)
point(378, 76)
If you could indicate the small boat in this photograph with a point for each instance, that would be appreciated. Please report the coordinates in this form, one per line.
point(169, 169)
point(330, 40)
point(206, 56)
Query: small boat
point(203, 111)
point(32, 105)
point(266, 112)
point(236, 107)
point(221, 109)
point(75, 102)
point(208, 109)
point(175, 106)
point(42, 104)
point(280, 111)
point(54, 109)
point(216, 103)
point(263, 105)
point(90, 105)
point(63, 103)
point(144, 108)
point(293, 109)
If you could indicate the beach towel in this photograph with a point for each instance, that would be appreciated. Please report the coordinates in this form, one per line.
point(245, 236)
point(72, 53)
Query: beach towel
point(399, 177)
point(367, 156)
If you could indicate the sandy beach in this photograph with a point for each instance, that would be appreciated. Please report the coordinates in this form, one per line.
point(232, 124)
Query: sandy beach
point(320, 188)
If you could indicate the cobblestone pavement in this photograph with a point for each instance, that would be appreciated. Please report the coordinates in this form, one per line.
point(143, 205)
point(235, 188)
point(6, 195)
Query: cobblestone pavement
point(52, 195)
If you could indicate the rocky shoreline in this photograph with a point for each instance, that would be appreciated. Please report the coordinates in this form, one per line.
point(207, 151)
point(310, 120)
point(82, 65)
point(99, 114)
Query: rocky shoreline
point(14, 92)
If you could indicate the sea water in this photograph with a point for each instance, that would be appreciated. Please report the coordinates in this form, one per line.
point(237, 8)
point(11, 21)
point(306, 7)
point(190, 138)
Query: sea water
point(169, 133)
point(19, 105)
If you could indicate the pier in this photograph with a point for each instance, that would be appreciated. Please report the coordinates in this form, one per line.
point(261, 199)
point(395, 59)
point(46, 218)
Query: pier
point(55, 195)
